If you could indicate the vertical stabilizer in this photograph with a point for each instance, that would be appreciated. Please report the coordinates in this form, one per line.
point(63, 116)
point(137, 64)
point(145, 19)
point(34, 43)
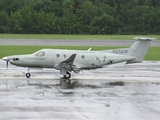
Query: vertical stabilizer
point(140, 48)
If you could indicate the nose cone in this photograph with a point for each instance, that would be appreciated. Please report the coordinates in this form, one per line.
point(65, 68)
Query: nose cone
point(5, 58)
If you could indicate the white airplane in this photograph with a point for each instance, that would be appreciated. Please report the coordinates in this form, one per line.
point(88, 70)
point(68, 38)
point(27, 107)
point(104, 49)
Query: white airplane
point(68, 61)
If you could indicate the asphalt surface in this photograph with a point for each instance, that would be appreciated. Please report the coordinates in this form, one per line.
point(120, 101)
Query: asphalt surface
point(129, 92)
point(54, 42)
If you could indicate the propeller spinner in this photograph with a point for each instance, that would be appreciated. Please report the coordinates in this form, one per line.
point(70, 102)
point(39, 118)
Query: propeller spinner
point(7, 60)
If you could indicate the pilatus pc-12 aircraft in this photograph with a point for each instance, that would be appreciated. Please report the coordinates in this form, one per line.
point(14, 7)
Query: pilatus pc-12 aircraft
point(68, 61)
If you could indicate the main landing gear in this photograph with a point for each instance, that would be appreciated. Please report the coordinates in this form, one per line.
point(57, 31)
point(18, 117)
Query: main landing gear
point(65, 81)
point(67, 76)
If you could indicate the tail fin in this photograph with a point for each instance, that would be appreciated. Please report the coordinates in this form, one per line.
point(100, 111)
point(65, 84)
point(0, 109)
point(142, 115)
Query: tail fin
point(139, 48)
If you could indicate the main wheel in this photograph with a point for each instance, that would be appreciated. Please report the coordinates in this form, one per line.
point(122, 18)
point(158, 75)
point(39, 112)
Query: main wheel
point(67, 76)
point(28, 75)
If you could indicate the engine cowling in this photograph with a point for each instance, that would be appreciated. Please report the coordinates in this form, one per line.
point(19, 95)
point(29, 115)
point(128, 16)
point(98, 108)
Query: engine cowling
point(15, 59)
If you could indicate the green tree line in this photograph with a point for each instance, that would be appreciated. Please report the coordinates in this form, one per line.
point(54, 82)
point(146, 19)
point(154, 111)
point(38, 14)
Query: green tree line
point(80, 16)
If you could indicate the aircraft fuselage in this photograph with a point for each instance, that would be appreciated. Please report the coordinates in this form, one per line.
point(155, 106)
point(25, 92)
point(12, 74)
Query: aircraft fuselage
point(74, 60)
point(48, 58)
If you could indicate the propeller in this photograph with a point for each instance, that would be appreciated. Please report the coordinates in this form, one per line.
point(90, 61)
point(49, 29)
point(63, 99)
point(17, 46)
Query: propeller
point(6, 59)
point(7, 64)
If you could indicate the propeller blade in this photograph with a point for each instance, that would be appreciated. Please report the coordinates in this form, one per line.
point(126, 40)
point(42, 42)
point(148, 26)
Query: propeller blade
point(7, 64)
point(7, 60)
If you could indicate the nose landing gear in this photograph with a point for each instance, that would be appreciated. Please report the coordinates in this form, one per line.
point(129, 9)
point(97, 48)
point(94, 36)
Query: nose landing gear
point(28, 75)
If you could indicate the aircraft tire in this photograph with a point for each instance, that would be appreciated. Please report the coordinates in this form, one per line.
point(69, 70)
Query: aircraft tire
point(67, 76)
point(28, 75)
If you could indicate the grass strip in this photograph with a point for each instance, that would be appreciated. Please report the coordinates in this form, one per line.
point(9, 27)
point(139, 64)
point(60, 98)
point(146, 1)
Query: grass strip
point(74, 37)
point(152, 54)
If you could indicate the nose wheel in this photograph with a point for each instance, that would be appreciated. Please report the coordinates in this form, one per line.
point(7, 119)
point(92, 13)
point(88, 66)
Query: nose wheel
point(28, 75)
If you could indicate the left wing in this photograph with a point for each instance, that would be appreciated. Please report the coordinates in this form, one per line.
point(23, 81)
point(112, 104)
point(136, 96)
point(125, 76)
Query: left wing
point(66, 64)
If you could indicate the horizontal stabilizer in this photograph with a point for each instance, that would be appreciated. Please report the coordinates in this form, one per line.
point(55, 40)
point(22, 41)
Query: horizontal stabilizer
point(144, 38)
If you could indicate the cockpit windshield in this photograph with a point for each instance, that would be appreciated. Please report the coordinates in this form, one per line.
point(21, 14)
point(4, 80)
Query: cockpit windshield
point(39, 53)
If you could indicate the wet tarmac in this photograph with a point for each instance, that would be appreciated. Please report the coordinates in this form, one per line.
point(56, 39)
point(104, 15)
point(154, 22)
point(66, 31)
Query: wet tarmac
point(130, 92)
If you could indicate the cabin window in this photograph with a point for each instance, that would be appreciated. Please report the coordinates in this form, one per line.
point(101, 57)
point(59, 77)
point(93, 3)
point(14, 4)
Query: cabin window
point(64, 55)
point(58, 55)
point(82, 56)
